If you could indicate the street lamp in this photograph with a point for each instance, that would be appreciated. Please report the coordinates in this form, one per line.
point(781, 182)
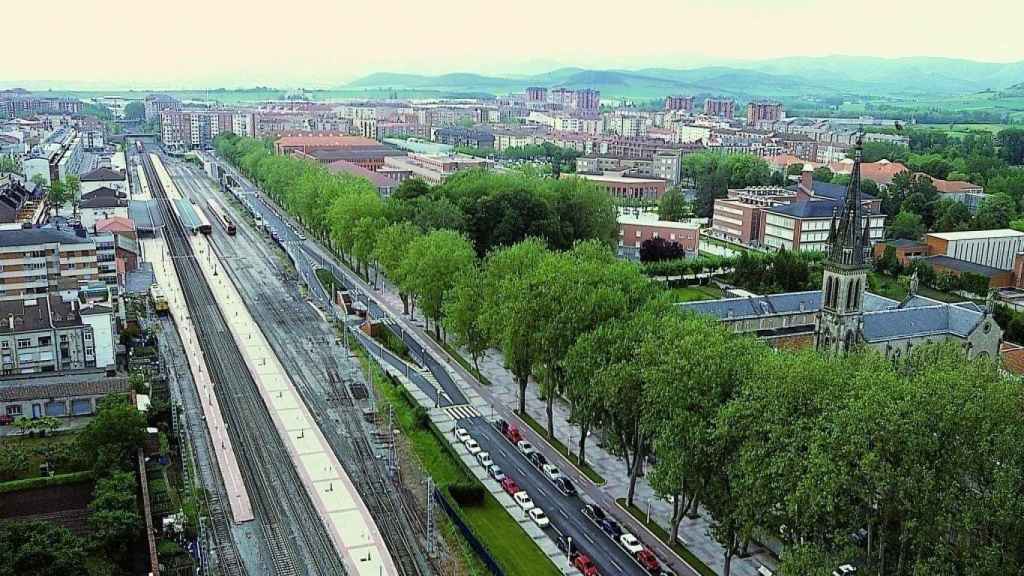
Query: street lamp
point(568, 550)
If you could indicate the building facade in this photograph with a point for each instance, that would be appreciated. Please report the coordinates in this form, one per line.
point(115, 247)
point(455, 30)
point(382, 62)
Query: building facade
point(36, 261)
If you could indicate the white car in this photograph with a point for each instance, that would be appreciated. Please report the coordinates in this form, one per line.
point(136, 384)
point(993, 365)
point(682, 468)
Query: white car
point(461, 434)
point(525, 447)
point(473, 447)
point(630, 543)
point(551, 471)
point(539, 518)
point(484, 458)
point(523, 499)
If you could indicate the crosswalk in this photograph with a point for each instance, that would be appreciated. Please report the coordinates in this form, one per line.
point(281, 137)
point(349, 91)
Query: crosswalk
point(462, 411)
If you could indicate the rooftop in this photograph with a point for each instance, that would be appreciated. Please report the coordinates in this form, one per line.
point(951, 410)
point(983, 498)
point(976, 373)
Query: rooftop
point(976, 234)
point(963, 266)
point(65, 385)
point(651, 219)
point(327, 141)
point(379, 180)
point(33, 236)
point(102, 174)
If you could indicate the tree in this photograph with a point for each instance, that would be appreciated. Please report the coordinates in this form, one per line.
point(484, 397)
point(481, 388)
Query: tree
point(509, 317)
point(73, 186)
point(658, 249)
point(823, 174)
point(135, 110)
point(1011, 145)
point(41, 549)
point(113, 514)
point(411, 188)
point(8, 164)
point(906, 225)
point(57, 195)
point(673, 205)
point(951, 216)
point(110, 439)
point(463, 314)
point(996, 211)
point(389, 251)
point(430, 267)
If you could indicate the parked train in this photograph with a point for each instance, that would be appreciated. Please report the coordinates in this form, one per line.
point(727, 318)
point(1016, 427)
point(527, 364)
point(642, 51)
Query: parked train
point(191, 217)
point(159, 300)
point(222, 216)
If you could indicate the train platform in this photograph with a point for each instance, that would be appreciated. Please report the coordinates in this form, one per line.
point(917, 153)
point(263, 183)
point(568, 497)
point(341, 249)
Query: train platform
point(155, 251)
point(348, 521)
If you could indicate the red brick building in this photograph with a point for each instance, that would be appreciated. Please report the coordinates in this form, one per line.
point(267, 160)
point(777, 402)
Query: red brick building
point(312, 143)
point(721, 107)
point(635, 229)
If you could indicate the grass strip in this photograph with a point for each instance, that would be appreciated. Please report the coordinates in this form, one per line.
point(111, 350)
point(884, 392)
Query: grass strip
point(45, 481)
point(659, 532)
point(594, 476)
point(516, 552)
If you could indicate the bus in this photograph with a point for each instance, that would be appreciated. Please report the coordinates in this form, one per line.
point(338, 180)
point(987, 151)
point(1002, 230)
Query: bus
point(221, 215)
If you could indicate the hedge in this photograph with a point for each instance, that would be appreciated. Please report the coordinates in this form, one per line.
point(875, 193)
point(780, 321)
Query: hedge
point(45, 481)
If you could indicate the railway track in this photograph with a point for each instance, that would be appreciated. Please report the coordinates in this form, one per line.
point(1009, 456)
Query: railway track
point(298, 541)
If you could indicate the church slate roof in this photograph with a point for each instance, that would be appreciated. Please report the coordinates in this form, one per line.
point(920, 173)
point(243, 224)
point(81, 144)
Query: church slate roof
point(920, 321)
point(776, 304)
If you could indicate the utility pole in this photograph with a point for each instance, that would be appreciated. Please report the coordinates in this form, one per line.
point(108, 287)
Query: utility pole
point(430, 516)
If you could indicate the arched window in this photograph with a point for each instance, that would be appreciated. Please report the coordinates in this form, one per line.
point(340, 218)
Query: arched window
point(828, 292)
point(850, 296)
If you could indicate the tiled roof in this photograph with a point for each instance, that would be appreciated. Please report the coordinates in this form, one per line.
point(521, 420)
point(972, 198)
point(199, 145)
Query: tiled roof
point(115, 224)
point(330, 141)
point(773, 304)
point(102, 174)
point(378, 180)
point(27, 390)
point(920, 321)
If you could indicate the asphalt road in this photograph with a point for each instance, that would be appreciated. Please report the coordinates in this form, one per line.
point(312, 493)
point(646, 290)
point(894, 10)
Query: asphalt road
point(563, 511)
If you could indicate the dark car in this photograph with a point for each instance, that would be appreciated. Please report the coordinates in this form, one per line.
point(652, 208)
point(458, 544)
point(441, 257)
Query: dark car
point(537, 459)
point(565, 486)
point(610, 527)
point(502, 426)
point(593, 511)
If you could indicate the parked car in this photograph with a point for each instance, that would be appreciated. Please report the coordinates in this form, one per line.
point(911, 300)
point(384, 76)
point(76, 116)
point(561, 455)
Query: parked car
point(630, 543)
point(484, 458)
point(594, 512)
point(473, 447)
point(461, 434)
point(565, 486)
point(610, 527)
point(539, 518)
point(537, 459)
point(494, 471)
point(551, 471)
point(649, 561)
point(509, 486)
point(525, 447)
point(510, 432)
point(585, 565)
point(524, 500)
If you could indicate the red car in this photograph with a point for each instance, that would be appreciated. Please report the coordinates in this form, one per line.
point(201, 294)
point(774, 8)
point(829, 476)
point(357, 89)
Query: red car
point(512, 433)
point(510, 486)
point(649, 561)
point(585, 565)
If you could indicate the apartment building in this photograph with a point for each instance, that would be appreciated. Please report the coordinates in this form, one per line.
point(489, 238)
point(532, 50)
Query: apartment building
point(720, 107)
point(680, 103)
point(625, 187)
point(764, 113)
point(637, 228)
point(35, 261)
point(432, 169)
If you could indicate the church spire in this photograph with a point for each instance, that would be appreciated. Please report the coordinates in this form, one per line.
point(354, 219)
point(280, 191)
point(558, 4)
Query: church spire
point(847, 241)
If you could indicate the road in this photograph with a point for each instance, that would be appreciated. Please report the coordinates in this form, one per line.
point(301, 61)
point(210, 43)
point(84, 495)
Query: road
point(565, 512)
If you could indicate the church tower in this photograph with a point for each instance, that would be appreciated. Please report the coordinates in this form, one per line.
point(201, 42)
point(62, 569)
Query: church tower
point(839, 325)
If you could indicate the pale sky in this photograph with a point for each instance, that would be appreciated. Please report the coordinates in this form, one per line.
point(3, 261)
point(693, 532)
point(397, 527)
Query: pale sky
point(325, 43)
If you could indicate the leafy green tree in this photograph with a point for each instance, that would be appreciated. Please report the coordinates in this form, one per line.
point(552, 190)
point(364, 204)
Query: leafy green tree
point(74, 187)
point(110, 439)
point(996, 211)
point(823, 174)
point(57, 195)
point(389, 251)
point(951, 216)
point(113, 513)
point(906, 225)
point(673, 205)
point(410, 189)
point(41, 549)
point(135, 110)
point(510, 316)
point(1011, 145)
point(463, 314)
point(430, 267)
point(8, 164)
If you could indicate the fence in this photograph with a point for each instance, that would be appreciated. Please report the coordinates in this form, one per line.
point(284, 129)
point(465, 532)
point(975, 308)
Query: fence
point(482, 552)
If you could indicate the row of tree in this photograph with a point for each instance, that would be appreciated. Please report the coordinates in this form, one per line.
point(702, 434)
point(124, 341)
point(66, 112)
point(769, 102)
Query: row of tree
point(491, 209)
point(712, 174)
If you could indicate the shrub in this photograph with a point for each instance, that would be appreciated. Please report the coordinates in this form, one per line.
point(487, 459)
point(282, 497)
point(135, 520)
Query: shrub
point(466, 494)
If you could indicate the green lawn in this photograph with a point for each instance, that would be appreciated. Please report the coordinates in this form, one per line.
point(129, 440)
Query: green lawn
point(890, 287)
point(662, 535)
point(25, 454)
point(510, 546)
point(694, 293)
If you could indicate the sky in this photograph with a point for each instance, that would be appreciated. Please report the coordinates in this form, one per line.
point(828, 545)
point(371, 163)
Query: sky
point(115, 44)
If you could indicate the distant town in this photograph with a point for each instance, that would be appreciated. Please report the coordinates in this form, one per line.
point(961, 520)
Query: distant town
point(536, 333)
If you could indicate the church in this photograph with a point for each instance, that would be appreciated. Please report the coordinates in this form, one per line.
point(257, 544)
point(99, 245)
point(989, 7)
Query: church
point(843, 315)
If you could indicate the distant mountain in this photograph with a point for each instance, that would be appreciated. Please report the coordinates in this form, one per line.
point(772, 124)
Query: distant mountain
point(783, 78)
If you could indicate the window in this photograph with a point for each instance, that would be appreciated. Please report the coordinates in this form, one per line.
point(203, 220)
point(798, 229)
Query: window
point(14, 410)
point(5, 345)
point(24, 342)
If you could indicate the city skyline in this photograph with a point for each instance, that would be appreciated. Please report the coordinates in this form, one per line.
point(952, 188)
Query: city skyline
point(203, 44)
